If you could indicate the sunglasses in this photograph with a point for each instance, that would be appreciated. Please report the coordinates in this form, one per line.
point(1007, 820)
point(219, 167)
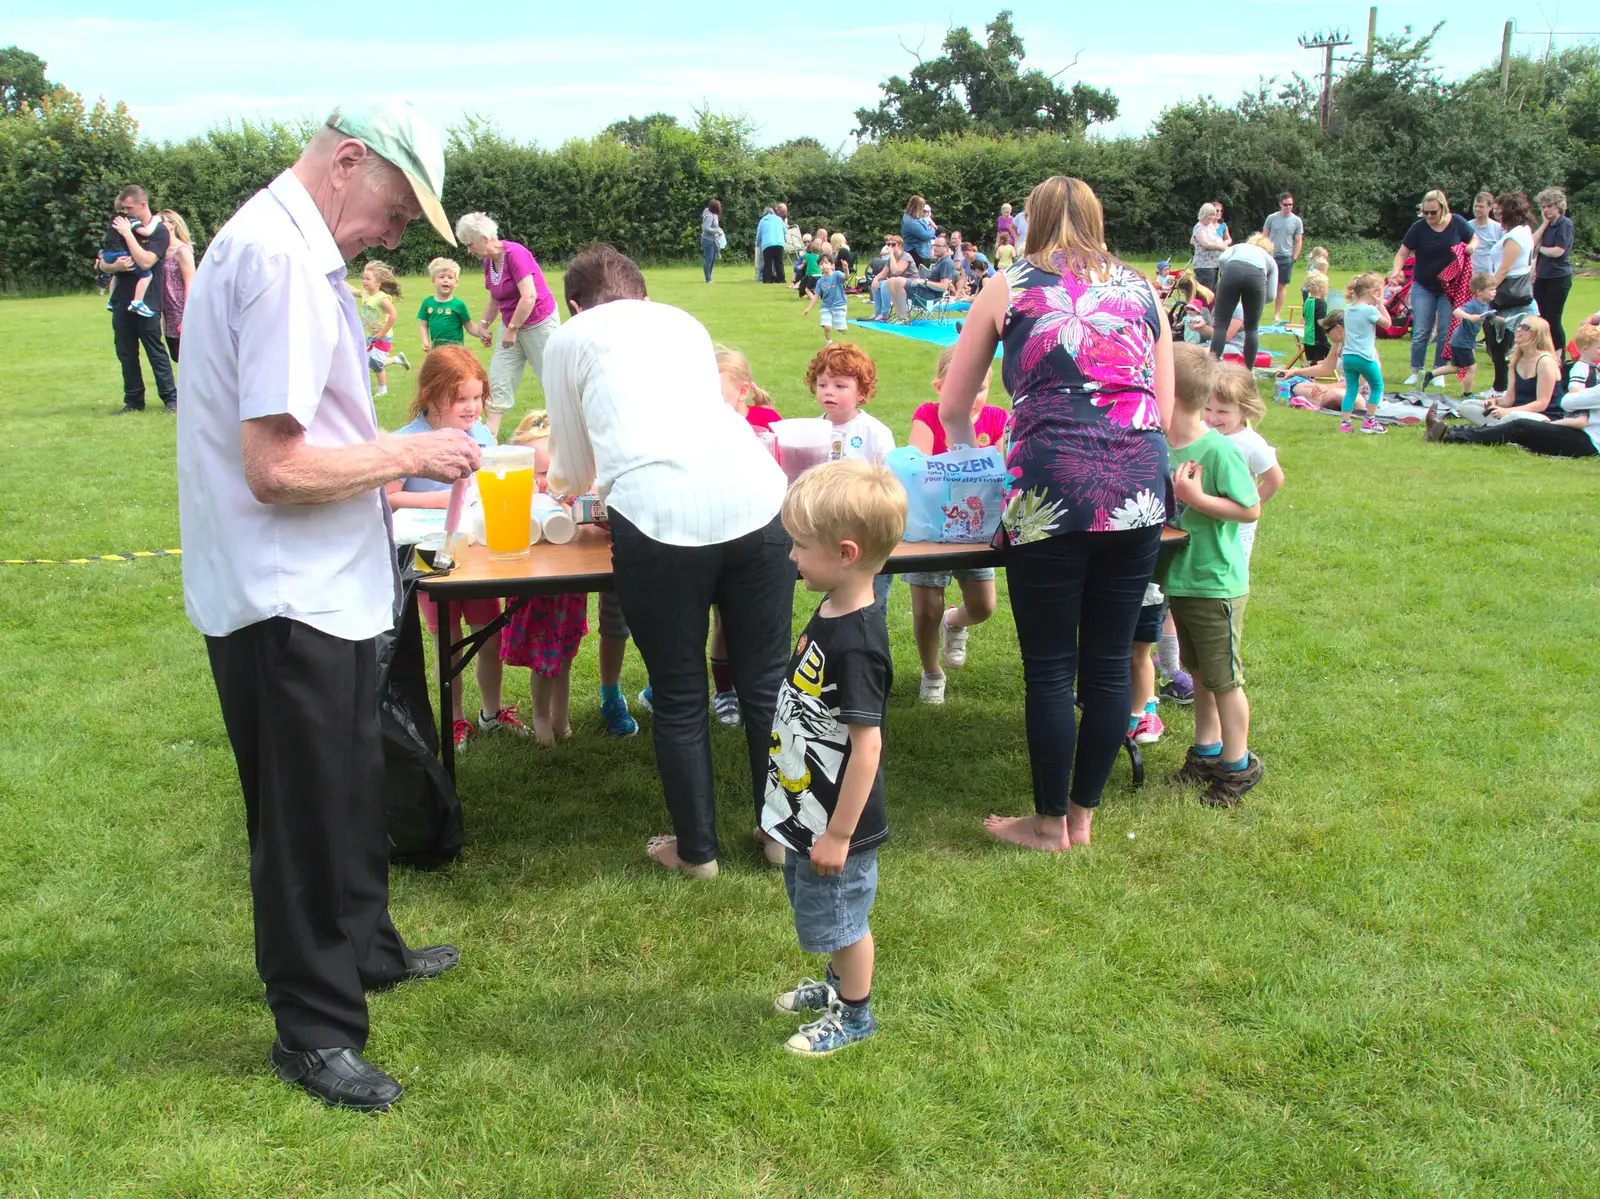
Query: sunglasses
point(1430, 212)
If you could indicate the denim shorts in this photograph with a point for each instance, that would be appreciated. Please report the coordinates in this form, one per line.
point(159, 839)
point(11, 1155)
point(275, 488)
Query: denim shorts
point(830, 913)
point(1285, 269)
point(1151, 618)
point(940, 579)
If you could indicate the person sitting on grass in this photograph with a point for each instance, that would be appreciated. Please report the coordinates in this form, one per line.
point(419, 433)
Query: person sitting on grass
point(1575, 436)
point(452, 387)
point(1313, 337)
point(443, 319)
point(1208, 583)
point(941, 633)
point(1320, 385)
point(824, 799)
point(1464, 340)
point(1535, 379)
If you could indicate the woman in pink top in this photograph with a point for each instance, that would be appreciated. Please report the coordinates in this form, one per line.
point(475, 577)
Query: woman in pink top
point(528, 314)
point(177, 272)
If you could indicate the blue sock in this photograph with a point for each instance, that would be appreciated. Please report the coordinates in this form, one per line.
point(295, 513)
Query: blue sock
point(1212, 749)
point(1240, 764)
point(1133, 723)
point(1150, 707)
point(611, 694)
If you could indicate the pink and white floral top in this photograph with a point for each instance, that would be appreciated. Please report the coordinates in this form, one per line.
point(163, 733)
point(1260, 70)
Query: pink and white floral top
point(1087, 451)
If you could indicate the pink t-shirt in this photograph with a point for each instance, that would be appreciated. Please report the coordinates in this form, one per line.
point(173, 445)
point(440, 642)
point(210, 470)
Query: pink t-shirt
point(518, 265)
point(990, 425)
point(761, 418)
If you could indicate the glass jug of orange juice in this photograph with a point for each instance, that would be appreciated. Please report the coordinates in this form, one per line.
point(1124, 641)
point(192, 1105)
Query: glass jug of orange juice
point(505, 485)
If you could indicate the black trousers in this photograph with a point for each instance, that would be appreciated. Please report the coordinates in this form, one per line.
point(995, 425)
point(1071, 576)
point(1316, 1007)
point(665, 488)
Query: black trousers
point(1542, 437)
point(172, 348)
point(666, 592)
point(301, 709)
point(772, 264)
point(130, 331)
point(1497, 339)
point(1551, 297)
point(1239, 286)
point(1076, 599)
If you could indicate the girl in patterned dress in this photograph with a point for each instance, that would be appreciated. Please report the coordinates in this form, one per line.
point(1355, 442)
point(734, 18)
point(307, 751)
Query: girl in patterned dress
point(1088, 363)
point(545, 633)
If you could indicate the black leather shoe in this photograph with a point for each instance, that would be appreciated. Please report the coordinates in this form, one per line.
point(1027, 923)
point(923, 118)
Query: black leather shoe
point(428, 962)
point(126, 410)
point(338, 1077)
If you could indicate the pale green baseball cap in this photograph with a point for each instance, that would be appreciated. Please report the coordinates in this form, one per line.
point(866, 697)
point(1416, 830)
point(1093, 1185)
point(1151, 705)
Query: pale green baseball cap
point(398, 133)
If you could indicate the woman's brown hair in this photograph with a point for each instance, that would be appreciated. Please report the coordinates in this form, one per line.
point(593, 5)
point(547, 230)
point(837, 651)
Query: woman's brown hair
point(1066, 222)
point(443, 372)
point(914, 207)
point(1514, 210)
point(601, 274)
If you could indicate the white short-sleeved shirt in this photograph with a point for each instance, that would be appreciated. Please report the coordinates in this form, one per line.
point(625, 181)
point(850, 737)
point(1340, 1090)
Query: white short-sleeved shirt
point(1259, 458)
point(636, 410)
point(270, 329)
point(862, 436)
point(1523, 237)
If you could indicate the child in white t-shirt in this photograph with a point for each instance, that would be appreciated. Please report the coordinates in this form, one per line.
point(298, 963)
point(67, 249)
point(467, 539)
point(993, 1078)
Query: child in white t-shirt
point(843, 378)
point(1233, 410)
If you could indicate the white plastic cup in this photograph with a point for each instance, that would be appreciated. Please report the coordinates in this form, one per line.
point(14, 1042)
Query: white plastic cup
point(554, 522)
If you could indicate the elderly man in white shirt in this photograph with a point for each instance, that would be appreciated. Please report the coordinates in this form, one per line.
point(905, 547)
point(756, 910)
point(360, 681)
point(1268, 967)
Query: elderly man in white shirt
point(288, 570)
point(636, 409)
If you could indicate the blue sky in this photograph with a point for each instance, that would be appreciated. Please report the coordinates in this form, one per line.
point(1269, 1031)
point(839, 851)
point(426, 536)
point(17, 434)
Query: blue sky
point(562, 71)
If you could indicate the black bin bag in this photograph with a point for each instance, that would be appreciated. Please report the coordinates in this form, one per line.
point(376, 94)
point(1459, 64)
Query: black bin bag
point(425, 826)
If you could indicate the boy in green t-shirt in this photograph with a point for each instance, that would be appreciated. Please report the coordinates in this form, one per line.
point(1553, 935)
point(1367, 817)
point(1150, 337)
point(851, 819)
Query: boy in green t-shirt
point(1208, 582)
point(443, 316)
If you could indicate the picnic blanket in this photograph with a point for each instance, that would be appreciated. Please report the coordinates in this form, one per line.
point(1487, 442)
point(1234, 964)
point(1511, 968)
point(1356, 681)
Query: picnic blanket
point(936, 333)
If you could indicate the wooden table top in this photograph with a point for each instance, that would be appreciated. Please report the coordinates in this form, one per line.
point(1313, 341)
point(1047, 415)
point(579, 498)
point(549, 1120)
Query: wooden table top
point(584, 564)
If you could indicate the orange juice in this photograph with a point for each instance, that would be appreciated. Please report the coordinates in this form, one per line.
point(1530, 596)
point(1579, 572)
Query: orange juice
point(505, 485)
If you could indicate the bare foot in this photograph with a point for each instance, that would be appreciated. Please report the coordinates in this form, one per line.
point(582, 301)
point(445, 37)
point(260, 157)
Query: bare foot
point(771, 848)
point(547, 735)
point(1045, 833)
point(1078, 821)
point(664, 851)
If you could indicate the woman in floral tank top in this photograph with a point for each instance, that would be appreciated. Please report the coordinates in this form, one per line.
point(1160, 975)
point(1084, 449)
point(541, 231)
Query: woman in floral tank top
point(1088, 363)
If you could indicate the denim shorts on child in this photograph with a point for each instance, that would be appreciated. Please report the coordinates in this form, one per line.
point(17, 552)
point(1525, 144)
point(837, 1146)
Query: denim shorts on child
point(1210, 638)
point(837, 319)
point(940, 579)
point(830, 912)
point(1151, 618)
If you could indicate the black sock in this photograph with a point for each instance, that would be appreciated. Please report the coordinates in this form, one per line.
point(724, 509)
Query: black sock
point(856, 1003)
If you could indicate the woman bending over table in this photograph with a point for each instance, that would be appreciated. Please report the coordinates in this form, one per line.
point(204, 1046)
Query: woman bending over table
point(636, 410)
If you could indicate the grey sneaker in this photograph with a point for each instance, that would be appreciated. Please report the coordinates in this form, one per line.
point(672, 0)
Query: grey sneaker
point(809, 996)
point(725, 706)
point(1196, 769)
point(953, 643)
point(1229, 786)
point(839, 1028)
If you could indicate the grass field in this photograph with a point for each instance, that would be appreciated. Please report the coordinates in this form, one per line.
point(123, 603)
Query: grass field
point(1378, 976)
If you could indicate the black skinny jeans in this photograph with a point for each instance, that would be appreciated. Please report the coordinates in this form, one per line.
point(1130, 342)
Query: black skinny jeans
point(1239, 284)
point(1551, 297)
point(1542, 437)
point(666, 593)
point(1497, 340)
point(1075, 599)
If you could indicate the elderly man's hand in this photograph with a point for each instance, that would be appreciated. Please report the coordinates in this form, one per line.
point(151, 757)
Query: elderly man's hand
point(444, 455)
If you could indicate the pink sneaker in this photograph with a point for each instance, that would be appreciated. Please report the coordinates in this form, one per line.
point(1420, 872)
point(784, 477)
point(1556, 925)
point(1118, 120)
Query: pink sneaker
point(1298, 402)
point(1345, 426)
point(1149, 729)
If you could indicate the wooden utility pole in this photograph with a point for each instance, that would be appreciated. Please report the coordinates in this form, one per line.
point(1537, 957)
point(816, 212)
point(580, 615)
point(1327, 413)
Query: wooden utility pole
point(1372, 31)
point(1326, 40)
point(1505, 59)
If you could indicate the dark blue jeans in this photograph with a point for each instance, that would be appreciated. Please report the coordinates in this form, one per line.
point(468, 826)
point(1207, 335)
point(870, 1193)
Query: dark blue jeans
point(1076, 600)
point(708, 255)
point(666, 592)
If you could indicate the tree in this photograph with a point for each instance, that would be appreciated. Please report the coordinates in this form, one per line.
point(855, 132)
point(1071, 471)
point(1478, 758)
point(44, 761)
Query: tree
point(982, 88)
point(23, 86)
point(635, 131)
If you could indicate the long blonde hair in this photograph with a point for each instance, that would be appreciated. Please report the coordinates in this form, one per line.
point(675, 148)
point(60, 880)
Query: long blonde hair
point(180, 227)
point(1538, 344)
point(1369, 283)
point(737, 367)
point(384, 273)
point(1065, 219)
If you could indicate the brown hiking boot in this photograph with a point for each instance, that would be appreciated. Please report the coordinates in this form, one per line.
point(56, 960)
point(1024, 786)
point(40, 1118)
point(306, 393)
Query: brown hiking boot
point(1196, 770)
point(1229, 786)
point(1434, 429)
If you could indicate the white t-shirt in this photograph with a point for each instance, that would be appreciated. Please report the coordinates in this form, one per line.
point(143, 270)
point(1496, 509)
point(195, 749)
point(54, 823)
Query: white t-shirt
point(636, 409)
point(270, 329)
point(862, 436)
point(1523, 237)
point(1259, 458)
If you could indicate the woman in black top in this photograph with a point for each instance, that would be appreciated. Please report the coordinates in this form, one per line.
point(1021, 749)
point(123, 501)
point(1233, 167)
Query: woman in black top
point(1552, 272)
point(1431, 239)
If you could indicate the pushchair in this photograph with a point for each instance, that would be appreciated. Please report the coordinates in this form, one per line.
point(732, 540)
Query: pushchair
point(1397, 299)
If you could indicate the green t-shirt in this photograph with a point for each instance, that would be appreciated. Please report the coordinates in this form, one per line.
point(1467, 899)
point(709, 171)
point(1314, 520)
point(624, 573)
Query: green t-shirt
point(1213, 564)
point(811, 265)
point(446, 320)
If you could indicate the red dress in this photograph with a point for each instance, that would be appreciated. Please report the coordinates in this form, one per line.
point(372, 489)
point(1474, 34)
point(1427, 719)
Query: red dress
point(545, 633)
